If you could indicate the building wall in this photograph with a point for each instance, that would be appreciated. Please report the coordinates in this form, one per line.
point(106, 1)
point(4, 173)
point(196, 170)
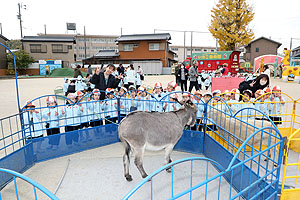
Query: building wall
point(179, 50)
point(3, 59)
point(94, 43)
point(67, 58)
point(141, 51)
point(264, 47)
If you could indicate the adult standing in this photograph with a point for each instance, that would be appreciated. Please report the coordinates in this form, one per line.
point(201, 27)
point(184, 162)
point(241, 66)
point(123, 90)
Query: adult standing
point(140, 72)
point(267, 71)
point(130, 75)
point(182, 76)
point(77, 71)
point(121, 69)
point(261, 82)
point(193, 73)
point(104, 80)
point(177, 69)
point(89, 71)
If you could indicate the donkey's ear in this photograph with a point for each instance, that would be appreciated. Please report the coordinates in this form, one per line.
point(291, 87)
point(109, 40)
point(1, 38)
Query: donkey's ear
point(189, 102)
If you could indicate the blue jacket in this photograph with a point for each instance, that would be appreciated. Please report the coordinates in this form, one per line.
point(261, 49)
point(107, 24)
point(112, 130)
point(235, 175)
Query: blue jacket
point(33, 124)
point(52, 119)
point(95, 109)
point(72, 115)
point(110, 107)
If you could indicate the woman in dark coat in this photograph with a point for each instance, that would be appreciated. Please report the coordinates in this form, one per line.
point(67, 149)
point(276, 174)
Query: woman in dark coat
point(261, 82)
point(182, 76)
point(104, 80)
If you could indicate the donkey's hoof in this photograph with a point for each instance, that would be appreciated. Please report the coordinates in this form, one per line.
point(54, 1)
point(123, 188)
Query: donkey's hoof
point(145, 175)
point(128, 177)
point(169, 170)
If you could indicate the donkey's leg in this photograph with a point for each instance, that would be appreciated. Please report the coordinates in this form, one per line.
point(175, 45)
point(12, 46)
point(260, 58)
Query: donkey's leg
point(138, 160)
point(168, 151)
point(126, 161)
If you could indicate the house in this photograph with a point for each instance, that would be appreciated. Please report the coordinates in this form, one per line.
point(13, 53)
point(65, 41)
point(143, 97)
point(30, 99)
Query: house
point(3, 58)
point(50, 47)
point(260, 46)
point(150, 51)
point(295, 52)
point(183, 52)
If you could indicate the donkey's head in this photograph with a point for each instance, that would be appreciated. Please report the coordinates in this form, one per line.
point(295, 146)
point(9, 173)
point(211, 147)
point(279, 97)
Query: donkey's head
point(191, 111)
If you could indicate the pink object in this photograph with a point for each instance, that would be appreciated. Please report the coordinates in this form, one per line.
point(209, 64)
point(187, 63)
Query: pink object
point(268, 59)
point(226, 83)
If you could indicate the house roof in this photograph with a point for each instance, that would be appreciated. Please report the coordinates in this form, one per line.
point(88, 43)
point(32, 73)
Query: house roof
point(159, 36)
point(264, 38)
point(106, 54)
point(48, 39)
point(4, 38)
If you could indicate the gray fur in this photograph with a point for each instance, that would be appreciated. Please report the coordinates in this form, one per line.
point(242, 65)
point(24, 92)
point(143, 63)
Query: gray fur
point(161, 130)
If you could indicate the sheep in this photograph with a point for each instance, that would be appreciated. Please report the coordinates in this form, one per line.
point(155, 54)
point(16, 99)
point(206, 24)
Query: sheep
point(236, 131)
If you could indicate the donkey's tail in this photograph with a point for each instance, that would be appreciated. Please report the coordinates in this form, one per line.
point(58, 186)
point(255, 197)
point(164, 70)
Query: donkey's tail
point(126, 147)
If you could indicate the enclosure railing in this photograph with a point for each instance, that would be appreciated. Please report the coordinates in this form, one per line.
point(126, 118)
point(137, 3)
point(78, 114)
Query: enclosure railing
point(36, 186)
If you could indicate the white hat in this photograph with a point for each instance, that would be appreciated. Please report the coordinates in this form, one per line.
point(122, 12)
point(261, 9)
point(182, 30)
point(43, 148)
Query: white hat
point(157, 85)
point(131, 87)
point(50, 99)
point(173, 84)
point(71, 95)
point(142, 88)
point(207, 93)
point(109, 90)
point(124, 88)
point(216, 92)
point(276, 88)
point(29, 103)
point(174, 96)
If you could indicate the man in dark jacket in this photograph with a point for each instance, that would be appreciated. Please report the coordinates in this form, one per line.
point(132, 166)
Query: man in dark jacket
point(104, 80)
point(77, 71)
point(121, 69)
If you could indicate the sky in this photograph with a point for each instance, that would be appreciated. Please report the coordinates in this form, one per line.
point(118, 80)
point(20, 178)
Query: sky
point(275, 19)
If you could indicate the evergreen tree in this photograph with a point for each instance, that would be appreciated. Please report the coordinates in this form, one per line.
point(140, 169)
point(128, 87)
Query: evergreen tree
point(230, 24)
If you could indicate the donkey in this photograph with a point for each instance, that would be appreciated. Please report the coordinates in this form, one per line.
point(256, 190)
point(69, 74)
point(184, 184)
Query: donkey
point(155, 131)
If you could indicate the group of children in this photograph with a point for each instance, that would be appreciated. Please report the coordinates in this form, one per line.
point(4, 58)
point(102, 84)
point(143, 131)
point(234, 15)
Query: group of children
point(83, 111)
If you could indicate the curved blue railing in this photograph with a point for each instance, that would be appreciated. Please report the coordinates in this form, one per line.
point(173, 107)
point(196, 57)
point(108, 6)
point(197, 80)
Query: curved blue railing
point(149, 177)
point(30, 181)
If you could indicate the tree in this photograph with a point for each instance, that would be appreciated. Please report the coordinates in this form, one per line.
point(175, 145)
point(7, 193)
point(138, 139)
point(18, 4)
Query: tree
point(14, 44)
point(229, 24)
point(23, 60)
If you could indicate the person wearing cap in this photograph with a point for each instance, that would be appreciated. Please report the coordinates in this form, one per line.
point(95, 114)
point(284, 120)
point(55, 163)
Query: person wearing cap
point(104, 80)
point(182, 76)
point(138, 81)
point(207, 96)
point(186, 97)
point(258, 102)
point(71, 88)
point(72, 113)
point(130, 74)
point(95, 109)
point(66, 86)
point(143, 102)
point(84, 114)
point(193, 74)
point(157, 104)
point(123, 101)
point(131, 104)
point(80, 85)
point(277, 105)
point(32, 122)
point(206, 83)
point(246, 114)
point(172, 104)
point(197, 100)
point(110, 107)
point(52, 115)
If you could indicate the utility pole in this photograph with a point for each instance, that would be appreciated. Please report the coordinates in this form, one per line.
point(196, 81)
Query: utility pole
point(45, 29)
point(183, 45)
point(191, 44)
point(84, 42)
point(1, 28)
point(20, 17)
point(121, 31)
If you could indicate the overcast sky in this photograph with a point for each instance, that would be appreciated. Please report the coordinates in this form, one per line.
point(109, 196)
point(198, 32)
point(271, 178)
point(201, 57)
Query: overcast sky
point(275, 19)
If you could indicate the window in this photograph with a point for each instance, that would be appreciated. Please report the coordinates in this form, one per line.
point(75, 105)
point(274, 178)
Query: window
point(256, 49)
point(212, 50)
point(69, 46)
point(57, 48)
point(197, 49)
point(128, 47)
point(205, 50)
point(35, 48)
point(154, 46)
point(175, 56)
point(174, 49)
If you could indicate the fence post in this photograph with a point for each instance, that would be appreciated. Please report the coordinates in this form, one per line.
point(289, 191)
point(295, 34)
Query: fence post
point(119, 111)
point(293, 117)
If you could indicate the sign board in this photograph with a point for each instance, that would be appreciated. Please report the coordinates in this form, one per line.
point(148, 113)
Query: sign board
point(219, 55)
point(71, 26)
point(46, 66)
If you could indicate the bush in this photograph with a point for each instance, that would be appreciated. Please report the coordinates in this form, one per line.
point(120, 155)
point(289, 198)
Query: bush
point(23, 60)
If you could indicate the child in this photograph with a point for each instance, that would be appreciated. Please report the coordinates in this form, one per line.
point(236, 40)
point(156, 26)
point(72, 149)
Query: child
point(52, 116)
point(95, 108)
point(84, 114)
point(79, 86)
point(200, 105)
point(170, 88)
point(138, 81)
point(276, 107)
point(206, 83)
point(72, 119)
point(186, 97)
point(71, 88)
point(66, 86)
point(207, 96)
point(199, 80)
point(143, 100)
point(172, 105)
point(32, 122)
point(131, 104)
point(123, 102)
point(157, 104)
point(246, 114)
point(110, 107)
point(266, 98)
